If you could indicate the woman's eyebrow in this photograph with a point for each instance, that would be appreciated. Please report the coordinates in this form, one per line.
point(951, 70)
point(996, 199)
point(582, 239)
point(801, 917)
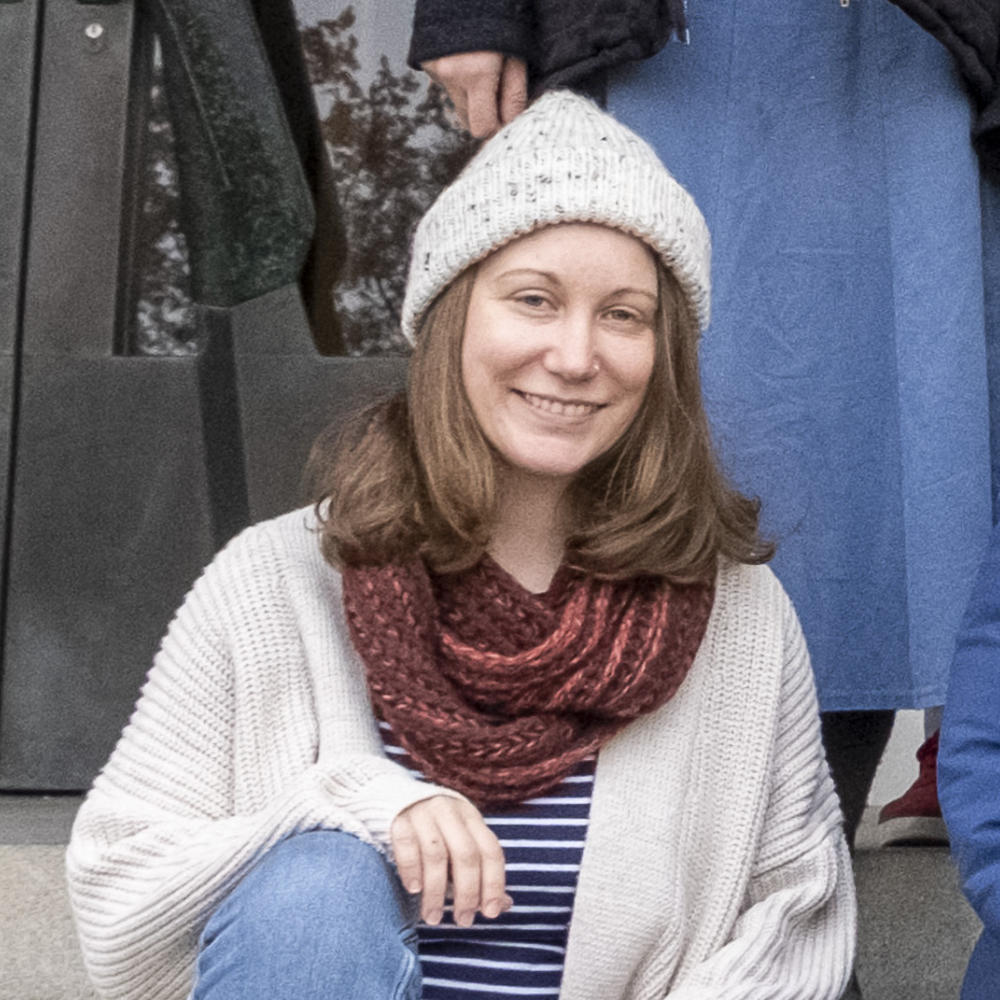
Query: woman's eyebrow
point(629, 290)
point(532, 272)
point(520, 272)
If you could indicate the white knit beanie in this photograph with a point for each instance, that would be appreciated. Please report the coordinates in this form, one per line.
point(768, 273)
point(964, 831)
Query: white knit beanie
point(562, 160)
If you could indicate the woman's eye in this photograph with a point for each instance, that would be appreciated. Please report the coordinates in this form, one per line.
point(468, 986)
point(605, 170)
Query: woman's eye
point(532, 301)
point(623, 316)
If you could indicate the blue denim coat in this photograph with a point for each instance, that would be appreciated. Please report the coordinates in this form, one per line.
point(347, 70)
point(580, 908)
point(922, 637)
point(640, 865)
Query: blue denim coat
point(855, 287)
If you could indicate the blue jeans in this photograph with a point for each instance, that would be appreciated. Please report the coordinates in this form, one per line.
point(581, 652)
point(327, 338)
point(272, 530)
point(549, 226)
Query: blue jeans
point(322, 915)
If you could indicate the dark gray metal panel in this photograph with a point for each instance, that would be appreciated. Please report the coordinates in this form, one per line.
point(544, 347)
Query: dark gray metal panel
point(18, 40)
point(129, 472)
point(19, 32)
point(73, 257)
point(222, 432)
point(288, 401)
point(289, 394)
point(109, 530)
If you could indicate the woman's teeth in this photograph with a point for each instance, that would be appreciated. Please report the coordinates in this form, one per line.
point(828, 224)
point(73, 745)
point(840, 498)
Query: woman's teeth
point(558, 407)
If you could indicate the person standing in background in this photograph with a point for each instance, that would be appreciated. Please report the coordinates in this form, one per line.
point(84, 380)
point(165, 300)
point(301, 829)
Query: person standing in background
point(845, 372)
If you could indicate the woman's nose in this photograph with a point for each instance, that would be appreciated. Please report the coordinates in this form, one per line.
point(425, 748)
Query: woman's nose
point(572, 354)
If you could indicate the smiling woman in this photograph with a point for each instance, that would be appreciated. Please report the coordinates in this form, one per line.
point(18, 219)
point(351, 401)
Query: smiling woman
point(558, 352)
point(524, 646)
point(553, 388)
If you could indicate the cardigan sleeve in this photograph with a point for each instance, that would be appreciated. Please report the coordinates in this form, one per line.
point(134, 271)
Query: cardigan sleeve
point(158, 841)
point(794, 939)
point(969, 755)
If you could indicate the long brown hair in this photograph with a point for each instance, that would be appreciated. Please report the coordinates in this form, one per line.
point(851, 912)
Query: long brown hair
point(414, 475)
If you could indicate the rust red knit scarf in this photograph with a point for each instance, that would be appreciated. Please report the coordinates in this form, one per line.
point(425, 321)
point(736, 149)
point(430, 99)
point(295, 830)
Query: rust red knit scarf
point(498, 693)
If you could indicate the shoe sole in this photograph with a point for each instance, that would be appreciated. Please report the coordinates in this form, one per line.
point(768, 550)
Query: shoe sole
point(912, 831)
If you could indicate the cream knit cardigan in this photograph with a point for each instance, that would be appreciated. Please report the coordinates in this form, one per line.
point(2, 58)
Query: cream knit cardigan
point(714, 865)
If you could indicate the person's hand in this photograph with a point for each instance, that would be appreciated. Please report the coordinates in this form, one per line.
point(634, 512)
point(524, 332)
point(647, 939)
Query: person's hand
point(443, 839)
point(488, 89)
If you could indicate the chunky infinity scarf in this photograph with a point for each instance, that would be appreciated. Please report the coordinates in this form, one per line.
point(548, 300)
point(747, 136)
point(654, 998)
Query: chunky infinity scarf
point(498, 693)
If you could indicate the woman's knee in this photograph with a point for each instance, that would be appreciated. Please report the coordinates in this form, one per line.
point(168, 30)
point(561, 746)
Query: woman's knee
point(319, 873)
point(322, 898)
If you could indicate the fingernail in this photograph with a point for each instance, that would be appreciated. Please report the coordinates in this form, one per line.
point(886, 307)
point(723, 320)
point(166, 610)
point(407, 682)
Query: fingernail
point(434, 917)
point(492, 909)
point(413, 888)
point(508, 903)
point(464, 919)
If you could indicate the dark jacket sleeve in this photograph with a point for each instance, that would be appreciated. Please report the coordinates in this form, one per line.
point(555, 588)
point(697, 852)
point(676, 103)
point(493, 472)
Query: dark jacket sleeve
point(447, 27)
point(574, 41)
point(970, 30)
point(986, 133)
point(566, 43)
point(969, 755)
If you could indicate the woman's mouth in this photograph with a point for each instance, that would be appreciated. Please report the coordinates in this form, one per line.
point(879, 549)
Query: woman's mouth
point(559, 407)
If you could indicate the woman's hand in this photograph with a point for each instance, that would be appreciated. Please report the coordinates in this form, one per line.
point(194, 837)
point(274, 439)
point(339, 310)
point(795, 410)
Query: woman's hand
point(488, 89)
point(443, 839)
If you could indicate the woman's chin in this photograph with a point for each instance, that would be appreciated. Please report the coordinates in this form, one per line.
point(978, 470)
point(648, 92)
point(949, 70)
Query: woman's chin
point(540, 469)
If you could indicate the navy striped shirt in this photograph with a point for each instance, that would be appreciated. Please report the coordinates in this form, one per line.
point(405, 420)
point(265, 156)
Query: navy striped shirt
point(520, 954)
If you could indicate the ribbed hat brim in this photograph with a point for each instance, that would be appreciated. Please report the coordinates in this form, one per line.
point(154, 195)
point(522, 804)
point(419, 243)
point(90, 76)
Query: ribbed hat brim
point(563, 160)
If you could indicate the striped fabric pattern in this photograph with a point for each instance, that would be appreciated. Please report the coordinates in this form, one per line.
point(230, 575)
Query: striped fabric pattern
point(520, 954)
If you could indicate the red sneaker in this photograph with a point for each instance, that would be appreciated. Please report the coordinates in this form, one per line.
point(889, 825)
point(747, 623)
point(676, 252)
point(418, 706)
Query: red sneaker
point(914, 819)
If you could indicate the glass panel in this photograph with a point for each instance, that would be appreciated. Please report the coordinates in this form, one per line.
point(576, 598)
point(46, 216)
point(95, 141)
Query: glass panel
point(163, 315)
point(391, 151)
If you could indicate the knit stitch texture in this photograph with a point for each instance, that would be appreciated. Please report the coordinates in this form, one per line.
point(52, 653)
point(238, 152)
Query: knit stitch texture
point(499, 693)
point(714, 865)
point(562, 160)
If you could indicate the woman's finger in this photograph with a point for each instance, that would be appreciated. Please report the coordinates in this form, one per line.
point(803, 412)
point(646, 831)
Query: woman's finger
point(465, 862)
point(406, 850)
point(434, 860)
point(493, 873)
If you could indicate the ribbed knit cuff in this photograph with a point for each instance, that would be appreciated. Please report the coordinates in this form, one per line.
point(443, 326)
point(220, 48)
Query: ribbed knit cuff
point(375, 791)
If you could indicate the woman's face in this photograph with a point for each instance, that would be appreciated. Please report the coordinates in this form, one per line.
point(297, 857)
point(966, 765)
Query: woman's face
point(559, 344)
